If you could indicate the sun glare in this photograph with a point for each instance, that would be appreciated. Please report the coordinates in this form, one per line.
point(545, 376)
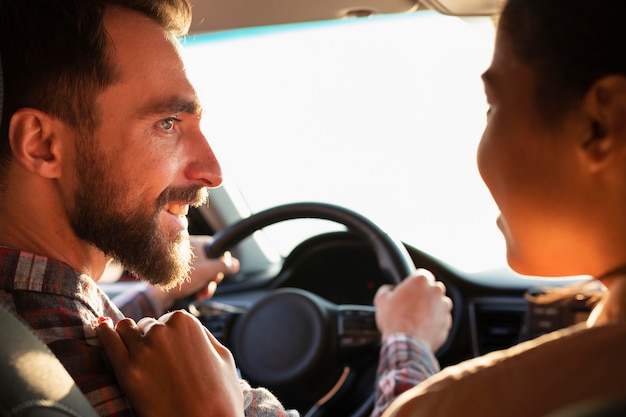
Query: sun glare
point(382, 116)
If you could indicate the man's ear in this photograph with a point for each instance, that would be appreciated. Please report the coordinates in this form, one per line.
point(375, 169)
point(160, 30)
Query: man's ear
point(36, 140)
point(605, 120)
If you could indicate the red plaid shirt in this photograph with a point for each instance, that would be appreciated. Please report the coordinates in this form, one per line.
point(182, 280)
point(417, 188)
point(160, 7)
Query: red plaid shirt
point(404, 363)
point(63, 307)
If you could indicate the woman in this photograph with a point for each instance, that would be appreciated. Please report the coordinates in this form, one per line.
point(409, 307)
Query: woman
point(553, 155)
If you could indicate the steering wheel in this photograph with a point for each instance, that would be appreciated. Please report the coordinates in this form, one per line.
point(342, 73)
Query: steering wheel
point(299, 345)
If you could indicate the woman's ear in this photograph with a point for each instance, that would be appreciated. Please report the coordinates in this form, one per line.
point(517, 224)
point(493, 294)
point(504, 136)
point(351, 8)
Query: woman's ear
point(605, 119)
point(36, 141)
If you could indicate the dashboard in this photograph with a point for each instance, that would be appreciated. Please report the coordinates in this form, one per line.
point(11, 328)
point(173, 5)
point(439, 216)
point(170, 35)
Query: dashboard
point(337, 267)
point(491, 310)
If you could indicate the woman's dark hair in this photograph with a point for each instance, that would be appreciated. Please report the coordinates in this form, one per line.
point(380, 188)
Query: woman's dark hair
point(569, 44)
point(54, 55)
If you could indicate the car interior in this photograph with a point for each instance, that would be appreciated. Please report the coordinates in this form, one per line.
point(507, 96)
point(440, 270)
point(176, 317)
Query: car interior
point(300, 321)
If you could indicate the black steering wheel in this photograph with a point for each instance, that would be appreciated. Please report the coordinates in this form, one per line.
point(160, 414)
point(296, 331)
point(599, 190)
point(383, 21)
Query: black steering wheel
point(299, 345)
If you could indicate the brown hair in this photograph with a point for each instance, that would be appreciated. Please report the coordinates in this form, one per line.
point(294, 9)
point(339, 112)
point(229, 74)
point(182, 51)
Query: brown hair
point(569, 44)
point(54, 55)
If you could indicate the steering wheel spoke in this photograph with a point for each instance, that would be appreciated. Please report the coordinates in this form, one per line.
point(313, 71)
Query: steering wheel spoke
point(218, 318)
point(357, 332)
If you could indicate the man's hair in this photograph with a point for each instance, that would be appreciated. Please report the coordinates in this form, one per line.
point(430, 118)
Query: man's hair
point(55, 58)
point(569, 44)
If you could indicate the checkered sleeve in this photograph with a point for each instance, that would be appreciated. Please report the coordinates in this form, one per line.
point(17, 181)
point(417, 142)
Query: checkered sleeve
point(404, 363)
point(138, 302)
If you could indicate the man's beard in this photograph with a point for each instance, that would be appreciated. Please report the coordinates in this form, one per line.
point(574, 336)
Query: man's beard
point(116, 220)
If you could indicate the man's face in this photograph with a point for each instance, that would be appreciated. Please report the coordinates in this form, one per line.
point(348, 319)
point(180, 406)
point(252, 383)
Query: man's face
point(147, 160)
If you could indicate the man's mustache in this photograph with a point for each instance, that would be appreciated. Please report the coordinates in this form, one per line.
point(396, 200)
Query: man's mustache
point(194, 196)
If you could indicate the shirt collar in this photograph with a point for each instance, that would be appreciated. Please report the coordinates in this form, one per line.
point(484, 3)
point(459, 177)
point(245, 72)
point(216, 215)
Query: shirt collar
point(21, 270)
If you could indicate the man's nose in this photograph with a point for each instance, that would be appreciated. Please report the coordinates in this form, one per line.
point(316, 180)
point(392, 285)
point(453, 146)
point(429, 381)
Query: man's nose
point(204, 166)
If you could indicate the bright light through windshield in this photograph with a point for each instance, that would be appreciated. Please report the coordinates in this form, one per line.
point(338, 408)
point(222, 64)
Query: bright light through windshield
point(381, 115)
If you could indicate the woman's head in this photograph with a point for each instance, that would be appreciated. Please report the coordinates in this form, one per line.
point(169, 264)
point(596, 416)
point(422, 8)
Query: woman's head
point(569, 44)
point(554, 153)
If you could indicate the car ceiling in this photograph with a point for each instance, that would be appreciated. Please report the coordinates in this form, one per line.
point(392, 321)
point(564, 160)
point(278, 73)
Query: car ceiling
point(217, 15)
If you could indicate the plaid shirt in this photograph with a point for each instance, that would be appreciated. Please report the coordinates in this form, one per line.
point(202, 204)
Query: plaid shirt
point(404, 363)
point(63, 307)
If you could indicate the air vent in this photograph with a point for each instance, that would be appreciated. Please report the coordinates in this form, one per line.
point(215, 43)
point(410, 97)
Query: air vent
point(496, 323)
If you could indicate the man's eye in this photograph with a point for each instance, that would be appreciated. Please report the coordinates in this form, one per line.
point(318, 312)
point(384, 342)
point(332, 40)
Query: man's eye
point(168, 124)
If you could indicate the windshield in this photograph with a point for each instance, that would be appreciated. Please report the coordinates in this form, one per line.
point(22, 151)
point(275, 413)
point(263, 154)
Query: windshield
point(380, 115)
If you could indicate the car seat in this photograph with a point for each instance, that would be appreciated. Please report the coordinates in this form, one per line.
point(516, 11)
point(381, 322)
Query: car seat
point(33, 383)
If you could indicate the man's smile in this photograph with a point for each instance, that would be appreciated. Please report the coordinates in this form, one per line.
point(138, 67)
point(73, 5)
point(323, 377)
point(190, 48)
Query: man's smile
point(178, 215)
point(177, 209)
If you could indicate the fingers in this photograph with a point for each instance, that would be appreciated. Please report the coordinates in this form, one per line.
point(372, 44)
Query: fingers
point(215, 270)
point(231, 264)
point(417, 306)
point(174, 354)
point(218, 267)
point(145, 325)
point(127, 339)
point(420, 278)
point(115, 340)
point(226, 264)
point(205, 275)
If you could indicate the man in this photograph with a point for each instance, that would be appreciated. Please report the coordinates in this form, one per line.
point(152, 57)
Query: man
point(101, 154)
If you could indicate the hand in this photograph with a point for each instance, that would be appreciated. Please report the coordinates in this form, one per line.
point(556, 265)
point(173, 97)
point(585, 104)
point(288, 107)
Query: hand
point(417, 306)
point(172, 366)
point(206, 274)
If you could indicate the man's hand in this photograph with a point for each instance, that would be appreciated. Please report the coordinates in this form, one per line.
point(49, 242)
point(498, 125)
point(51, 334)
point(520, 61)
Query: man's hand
point(172, 366)
point(206, 274)
point(417, 306)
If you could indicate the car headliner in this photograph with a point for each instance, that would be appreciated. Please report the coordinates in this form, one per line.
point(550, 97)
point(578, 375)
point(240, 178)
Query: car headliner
point(214, 15)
